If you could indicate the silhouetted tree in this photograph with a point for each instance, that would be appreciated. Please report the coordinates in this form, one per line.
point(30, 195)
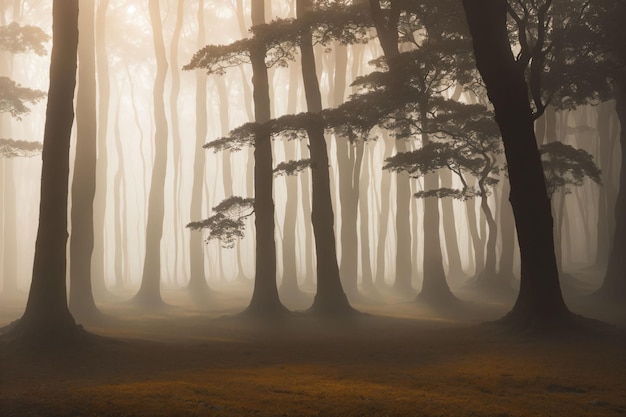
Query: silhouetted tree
point(47, 317)
point(540, 303)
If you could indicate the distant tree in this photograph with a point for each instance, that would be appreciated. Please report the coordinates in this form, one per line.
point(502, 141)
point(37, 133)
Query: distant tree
point(467, 143)
point(47, 318)
point(150, 291)
point(81, 300)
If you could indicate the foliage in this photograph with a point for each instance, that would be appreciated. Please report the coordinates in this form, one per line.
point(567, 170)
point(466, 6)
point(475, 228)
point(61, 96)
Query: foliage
point(13, 98)
point(228, 223)
point(22, 39)
point(292, 167)
point(10, 148)
point(565, 166)
point(280, 38)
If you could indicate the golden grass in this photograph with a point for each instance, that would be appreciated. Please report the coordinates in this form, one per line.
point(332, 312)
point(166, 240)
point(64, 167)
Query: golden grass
point(185, 364)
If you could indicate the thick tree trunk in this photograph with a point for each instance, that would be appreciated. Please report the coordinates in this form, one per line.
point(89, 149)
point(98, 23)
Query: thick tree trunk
point(539, 303)
point(47, 316)
point(507, 233)
point(330, 297)
point(81, 300)
point(150, 291)
point(265, 295)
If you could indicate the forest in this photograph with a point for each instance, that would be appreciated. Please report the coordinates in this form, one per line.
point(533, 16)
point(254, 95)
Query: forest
point(312, 207)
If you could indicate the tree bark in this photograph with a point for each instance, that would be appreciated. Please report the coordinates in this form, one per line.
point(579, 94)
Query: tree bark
point(330, 297)
point(539, 303)
point(81, 300)
point(614, 285)
point(47, 316)
point(265, 294)
point(150, 291)
point(197, 280)
point(104, 92)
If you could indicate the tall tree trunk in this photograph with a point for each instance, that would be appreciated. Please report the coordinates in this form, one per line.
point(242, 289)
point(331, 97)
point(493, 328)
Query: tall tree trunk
point(434, 287)
point(47, 316)
point(330, 297)
point(367, 277)
point(507, 232)
point(119, 205)
point(604, 145)
point(99, 205)
point(265, 294)
point(10, 253)
point(81, 302)
point(614, 285)
point(197, 280)
point(150, 290)
point(539, 304)
point(176, 139)
point(385, 211)
point(455, 267)
point(289, 286)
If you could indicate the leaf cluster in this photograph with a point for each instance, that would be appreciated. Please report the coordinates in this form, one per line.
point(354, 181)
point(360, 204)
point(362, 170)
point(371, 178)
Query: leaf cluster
point(10, 148)
point(279, 39)
point(228, 223)
point(565, 166)
point(15, 39)
point(14, 97)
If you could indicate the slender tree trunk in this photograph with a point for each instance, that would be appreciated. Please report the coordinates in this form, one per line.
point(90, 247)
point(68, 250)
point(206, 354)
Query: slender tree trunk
point(367, 277)
point(265, 295)
point(176, 139)
point(539, 304)
point(99, 205)
point(150, 290)
point(119, 206)
point(47, 316)
point(289, 286)
point(434, 287)
point(385, 211)
point(9, 261)
point(614, 285)
point(81, 302)
point(604, 145)
point(455, 267)
point(330, 297)
point(197, 280)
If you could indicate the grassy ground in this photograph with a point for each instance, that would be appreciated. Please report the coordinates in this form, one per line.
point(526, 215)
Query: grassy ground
point(404, 361)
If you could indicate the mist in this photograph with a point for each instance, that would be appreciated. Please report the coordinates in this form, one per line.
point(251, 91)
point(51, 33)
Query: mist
point(352, 205)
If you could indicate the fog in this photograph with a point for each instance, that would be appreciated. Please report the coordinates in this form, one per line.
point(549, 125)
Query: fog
point(410, 222)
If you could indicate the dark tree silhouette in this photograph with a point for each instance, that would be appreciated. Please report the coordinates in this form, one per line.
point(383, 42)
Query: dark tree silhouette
point(539, 304)
point(47, 317)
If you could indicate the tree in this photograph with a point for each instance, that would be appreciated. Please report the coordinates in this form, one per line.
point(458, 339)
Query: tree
point(330, 297)
point(539, 304)
point(81, 299)
point(47, 316)
point(150, 290)
point(467, 142)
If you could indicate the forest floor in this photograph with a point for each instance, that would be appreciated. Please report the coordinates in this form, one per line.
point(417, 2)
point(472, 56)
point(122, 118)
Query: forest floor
point(397, 360)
